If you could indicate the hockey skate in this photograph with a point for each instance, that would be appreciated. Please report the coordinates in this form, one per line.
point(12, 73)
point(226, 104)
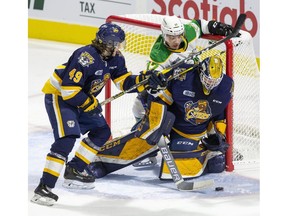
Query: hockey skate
point(77, 180)
point(44, 196)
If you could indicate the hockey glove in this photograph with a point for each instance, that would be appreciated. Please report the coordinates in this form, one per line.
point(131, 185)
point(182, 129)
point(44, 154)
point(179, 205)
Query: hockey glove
point(215, 142)
point(218, 28)
point(156, 82)
point(92, 107)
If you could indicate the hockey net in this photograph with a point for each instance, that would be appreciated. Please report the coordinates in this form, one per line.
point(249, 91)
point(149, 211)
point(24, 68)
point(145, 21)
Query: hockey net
point(239, 62)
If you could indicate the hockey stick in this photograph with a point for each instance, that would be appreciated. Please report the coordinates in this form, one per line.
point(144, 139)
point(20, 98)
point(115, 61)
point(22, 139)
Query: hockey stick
point(175, 173)
point(236, 29)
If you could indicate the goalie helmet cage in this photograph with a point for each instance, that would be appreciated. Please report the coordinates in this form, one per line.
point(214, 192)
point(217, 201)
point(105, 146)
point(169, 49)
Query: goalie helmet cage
point(239, 59)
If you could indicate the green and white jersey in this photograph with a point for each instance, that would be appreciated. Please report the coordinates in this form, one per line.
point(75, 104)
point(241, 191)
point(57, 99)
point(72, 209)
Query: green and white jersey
point(162, 57)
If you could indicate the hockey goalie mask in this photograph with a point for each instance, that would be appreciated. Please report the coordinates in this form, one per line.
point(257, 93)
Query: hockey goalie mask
point(172, 31)
point(109, 39)
point(211, 74)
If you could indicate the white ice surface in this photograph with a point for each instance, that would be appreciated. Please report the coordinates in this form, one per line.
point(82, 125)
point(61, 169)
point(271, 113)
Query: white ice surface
point(129, 191)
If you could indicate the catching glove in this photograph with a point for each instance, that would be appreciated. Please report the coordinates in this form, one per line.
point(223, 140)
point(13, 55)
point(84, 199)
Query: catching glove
point(215, 142)
point(92, 107)
point(218, 28)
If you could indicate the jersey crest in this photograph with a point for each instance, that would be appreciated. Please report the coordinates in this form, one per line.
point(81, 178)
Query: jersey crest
point(85, 59)
point(197, 113)
point(98, 84)
point(178, 71)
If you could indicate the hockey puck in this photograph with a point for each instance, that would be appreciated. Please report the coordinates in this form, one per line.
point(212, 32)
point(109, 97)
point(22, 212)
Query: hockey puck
point(219, 189)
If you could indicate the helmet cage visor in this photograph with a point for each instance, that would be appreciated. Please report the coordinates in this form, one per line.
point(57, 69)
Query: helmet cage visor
point(211, 72)
point(112, 44)
point(208, 81)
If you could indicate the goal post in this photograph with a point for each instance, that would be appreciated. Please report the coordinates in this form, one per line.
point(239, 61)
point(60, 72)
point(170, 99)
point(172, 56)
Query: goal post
point(240, 63)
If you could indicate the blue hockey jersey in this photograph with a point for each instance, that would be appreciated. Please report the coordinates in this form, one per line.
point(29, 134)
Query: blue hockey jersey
point(193, 109)
point(86, 72)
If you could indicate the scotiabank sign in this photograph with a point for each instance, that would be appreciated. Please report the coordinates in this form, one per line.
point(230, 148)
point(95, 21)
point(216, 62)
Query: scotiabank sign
point(223, 11)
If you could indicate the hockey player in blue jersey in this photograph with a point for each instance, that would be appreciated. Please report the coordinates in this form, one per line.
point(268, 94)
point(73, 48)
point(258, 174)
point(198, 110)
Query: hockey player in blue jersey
point(197, 99)
point(73, 109)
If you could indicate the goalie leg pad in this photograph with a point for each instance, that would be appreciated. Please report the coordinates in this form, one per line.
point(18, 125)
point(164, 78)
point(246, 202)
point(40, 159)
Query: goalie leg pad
point(195, 163)
point(157, 122)
point(190, 164)
point(119, 153)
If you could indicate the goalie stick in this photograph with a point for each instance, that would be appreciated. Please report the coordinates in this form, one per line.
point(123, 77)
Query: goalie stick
point(175, 173)
point(238, 25)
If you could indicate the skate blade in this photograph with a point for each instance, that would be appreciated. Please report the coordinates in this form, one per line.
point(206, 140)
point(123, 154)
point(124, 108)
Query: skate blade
point(46, 201)
point(73, 184)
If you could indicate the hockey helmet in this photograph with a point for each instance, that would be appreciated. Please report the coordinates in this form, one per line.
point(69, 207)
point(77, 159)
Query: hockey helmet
point(110, 35)
point(172, 25)
point(211, 72)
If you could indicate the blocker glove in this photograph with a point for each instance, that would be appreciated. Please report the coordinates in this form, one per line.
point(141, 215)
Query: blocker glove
point(218, 28)
point(93, 107)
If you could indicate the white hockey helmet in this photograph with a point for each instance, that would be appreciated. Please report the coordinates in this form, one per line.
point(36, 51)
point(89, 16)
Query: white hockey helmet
point(172, 25)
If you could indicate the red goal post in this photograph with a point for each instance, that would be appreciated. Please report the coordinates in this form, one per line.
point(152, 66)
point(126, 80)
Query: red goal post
point(141, 31)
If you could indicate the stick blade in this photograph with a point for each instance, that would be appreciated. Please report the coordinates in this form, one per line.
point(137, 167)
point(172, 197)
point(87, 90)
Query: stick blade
point(193, 186)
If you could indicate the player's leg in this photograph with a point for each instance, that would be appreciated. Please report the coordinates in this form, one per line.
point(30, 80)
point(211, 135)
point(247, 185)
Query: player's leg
point(63, 119)
point(98, 133)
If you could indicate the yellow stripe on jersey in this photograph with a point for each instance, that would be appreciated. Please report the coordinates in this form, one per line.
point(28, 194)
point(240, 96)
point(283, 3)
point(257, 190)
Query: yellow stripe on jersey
point(53, 85)
point(53, 166)
point(120, 81)
point(69, 92)
point(141, 87)
point(196, 137)
point(221, 126)
point(61, 67)
point(166, 96)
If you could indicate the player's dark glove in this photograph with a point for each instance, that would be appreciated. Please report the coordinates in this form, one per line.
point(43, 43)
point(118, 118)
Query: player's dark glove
point(92, 107)
point(156, 82)
point(218, 28)
point(215, 142)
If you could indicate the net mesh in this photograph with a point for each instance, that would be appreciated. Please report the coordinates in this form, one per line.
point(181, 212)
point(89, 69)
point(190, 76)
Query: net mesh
point(246, 138)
